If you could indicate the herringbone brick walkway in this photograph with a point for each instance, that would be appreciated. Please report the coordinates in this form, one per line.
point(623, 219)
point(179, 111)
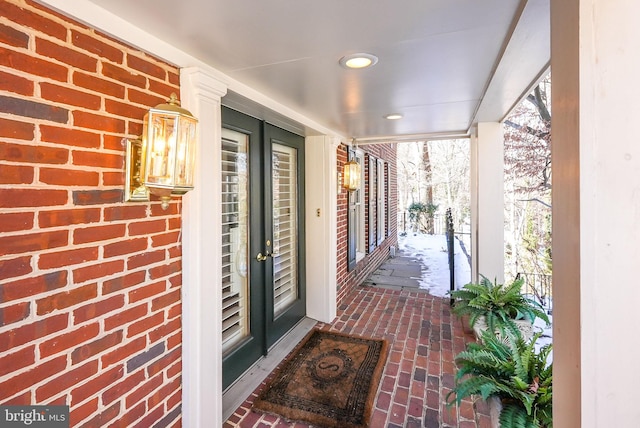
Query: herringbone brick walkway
point(424, 339)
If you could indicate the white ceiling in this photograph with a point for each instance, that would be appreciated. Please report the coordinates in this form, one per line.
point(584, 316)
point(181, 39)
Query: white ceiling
point(443, 64)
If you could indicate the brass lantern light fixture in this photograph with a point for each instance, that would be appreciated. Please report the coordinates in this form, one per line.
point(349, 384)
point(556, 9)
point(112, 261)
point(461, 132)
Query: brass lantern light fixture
point(351, 175)
point(161, 162)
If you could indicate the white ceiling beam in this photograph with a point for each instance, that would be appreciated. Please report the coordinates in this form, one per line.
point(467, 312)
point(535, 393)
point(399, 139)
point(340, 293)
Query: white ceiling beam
point(523, 63)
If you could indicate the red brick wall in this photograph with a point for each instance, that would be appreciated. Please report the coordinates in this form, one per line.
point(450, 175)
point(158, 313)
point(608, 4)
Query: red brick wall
point(89, 285)
point(346, 279)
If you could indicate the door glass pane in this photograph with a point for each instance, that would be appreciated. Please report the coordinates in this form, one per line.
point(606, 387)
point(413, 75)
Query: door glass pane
point(285, 223)
point(235, 238)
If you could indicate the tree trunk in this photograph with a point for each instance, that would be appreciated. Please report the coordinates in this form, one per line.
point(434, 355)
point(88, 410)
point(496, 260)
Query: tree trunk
point(428, 175)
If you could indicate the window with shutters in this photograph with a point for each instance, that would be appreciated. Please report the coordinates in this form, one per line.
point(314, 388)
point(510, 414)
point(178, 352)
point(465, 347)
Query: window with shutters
point(373, 203)
point(381, 202)
point(361, 248)
point(367, 218)
point(356, 247)
point(387, 205)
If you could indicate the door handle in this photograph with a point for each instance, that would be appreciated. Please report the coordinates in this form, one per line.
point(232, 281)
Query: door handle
point(262, 257)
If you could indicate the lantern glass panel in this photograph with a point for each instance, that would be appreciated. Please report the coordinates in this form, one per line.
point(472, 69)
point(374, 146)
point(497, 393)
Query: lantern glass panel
point(352, 175)
point(185, 159)
point(160, 149)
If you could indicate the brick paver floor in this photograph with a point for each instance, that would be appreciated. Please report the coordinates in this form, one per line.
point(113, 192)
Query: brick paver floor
point(424, 339)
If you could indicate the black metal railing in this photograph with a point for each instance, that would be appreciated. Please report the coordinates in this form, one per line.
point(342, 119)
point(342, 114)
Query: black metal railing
point(540, 287)
point(450, 251)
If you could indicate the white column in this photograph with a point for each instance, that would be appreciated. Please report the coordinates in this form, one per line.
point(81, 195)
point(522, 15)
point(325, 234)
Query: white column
point(595, 64)
point(487, 202)
point(321, 226)
point(473, 187)
point(202, 258)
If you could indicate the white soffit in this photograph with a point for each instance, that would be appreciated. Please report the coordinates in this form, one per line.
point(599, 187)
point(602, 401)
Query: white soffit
point(437, 58)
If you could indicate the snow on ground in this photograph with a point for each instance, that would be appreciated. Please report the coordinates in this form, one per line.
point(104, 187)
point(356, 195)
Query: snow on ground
point(431, 250)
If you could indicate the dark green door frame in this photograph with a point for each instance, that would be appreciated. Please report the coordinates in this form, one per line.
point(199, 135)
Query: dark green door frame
point(265, 328)
point(277, 327)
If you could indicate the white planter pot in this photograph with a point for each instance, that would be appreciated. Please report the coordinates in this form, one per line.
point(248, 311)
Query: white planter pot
point(525, 327)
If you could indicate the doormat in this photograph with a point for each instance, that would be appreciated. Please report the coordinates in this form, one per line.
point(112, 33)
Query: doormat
point(330, 380)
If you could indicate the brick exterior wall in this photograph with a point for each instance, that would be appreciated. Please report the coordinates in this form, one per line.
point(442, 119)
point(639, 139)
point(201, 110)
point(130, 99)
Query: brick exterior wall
point(89, 286)
point(347, 280)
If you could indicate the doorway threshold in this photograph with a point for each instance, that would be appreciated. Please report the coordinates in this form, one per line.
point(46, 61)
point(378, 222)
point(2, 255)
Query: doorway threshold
point(237, 392)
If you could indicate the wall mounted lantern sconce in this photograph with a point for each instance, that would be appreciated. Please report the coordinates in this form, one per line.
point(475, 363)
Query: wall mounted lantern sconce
point(351, 175)
point(161, 162)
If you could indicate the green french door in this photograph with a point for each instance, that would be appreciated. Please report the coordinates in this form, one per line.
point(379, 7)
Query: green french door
point(263, 293)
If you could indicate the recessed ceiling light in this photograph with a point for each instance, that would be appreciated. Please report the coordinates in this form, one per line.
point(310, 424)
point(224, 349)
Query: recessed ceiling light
point(393, 116)
point(358, 60)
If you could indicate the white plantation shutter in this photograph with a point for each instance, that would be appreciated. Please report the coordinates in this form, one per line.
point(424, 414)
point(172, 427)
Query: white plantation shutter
point(235, 266)
point(285, 225)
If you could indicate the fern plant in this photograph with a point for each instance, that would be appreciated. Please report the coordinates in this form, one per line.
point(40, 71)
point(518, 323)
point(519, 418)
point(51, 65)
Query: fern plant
point(514, 372)
point(499, 304)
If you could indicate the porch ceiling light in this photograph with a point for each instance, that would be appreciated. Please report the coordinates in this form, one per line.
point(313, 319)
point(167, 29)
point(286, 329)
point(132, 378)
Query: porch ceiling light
point(393, 116)
point(351, 175)
point(161, 162)
point(358, 60)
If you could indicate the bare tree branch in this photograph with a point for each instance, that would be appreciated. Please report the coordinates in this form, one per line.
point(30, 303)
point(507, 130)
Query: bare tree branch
point(529, 130)
point(535, 200)
point(537, 99)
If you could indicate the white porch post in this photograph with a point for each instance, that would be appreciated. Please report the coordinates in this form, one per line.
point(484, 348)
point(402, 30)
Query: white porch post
point(202, 258)
point(487, 201)
point(595, 64)
point(321, 226)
